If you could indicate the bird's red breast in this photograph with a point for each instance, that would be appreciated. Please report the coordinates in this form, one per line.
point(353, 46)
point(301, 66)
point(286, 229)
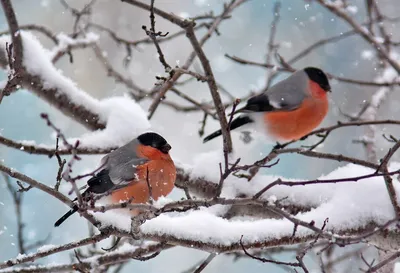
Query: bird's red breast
point(161, 177)
point(292, 125)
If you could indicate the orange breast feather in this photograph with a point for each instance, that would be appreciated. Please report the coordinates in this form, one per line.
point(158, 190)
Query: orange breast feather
point(292, 125)
point(161, 177)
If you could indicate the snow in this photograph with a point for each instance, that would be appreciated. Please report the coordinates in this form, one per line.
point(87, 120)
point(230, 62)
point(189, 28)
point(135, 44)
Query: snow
point(352, 9)
point(336, 4)
point(41, 249)
point(3, 84)
point(20, 256)
point(162, 201)
point(37, 62)
point(45, 248)
point(396, 268)
point(367, 54)
point(64, 41)
point(388, 75)
point(39, 268)
point(113, 218)
point(124, 118)
point(347, 205)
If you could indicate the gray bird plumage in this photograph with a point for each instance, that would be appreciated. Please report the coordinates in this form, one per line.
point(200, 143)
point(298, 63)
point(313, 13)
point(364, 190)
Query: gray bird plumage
point(289, 93)
point(122, 163)
point(286, 95)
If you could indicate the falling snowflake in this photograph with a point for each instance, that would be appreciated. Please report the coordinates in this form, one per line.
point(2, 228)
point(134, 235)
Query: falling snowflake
point(367, 55)
point(352, 9)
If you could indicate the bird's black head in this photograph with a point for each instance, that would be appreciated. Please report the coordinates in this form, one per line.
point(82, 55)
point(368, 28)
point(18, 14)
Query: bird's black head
point(156, 141)
point(318, 76)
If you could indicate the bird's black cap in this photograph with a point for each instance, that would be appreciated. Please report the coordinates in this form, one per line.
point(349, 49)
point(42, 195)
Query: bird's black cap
point(318, 76)
point(154, 140)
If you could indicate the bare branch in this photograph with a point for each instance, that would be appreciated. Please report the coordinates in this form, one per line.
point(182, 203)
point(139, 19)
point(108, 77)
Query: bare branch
point(331, 76)
point(383, 263)
point(17, 198)
point(206, 262)
point(15, 35)
point(362, 32)
point(271, 42)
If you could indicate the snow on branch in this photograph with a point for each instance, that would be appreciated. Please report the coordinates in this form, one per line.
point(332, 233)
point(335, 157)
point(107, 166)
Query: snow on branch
point(353, 216)
point(120, 114)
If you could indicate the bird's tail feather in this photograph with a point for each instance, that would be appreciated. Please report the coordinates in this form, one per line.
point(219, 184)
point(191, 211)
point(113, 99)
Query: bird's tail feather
point(98, 184)
point(66, 216)
point(236, 123)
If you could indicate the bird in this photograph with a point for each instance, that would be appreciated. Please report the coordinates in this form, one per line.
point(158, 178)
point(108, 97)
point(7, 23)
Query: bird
point(288, 110)
point(131, 172)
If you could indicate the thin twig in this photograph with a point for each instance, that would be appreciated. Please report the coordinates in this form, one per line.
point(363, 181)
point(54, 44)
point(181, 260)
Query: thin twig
point(271, 42)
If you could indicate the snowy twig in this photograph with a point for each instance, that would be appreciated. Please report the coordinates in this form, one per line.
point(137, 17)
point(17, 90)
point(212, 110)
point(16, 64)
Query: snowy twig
point(40, 254)
point(41, 29)
point(44, 150)
point(109, 258)
point(56, 91)
point(66, 45)
point(264, 260)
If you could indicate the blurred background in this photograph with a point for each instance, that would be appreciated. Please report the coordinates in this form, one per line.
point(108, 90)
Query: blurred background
point(244, 35)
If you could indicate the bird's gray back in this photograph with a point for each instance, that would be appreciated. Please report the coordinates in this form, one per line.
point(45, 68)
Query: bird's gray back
point(122, 163)
point(289, 93)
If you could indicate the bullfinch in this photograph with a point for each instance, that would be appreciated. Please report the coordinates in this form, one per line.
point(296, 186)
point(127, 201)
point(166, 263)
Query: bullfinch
point(127, 172)
point(288, 110)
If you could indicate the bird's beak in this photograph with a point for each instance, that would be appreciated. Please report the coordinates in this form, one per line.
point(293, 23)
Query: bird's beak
point(328, 89)
point(165, 149)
